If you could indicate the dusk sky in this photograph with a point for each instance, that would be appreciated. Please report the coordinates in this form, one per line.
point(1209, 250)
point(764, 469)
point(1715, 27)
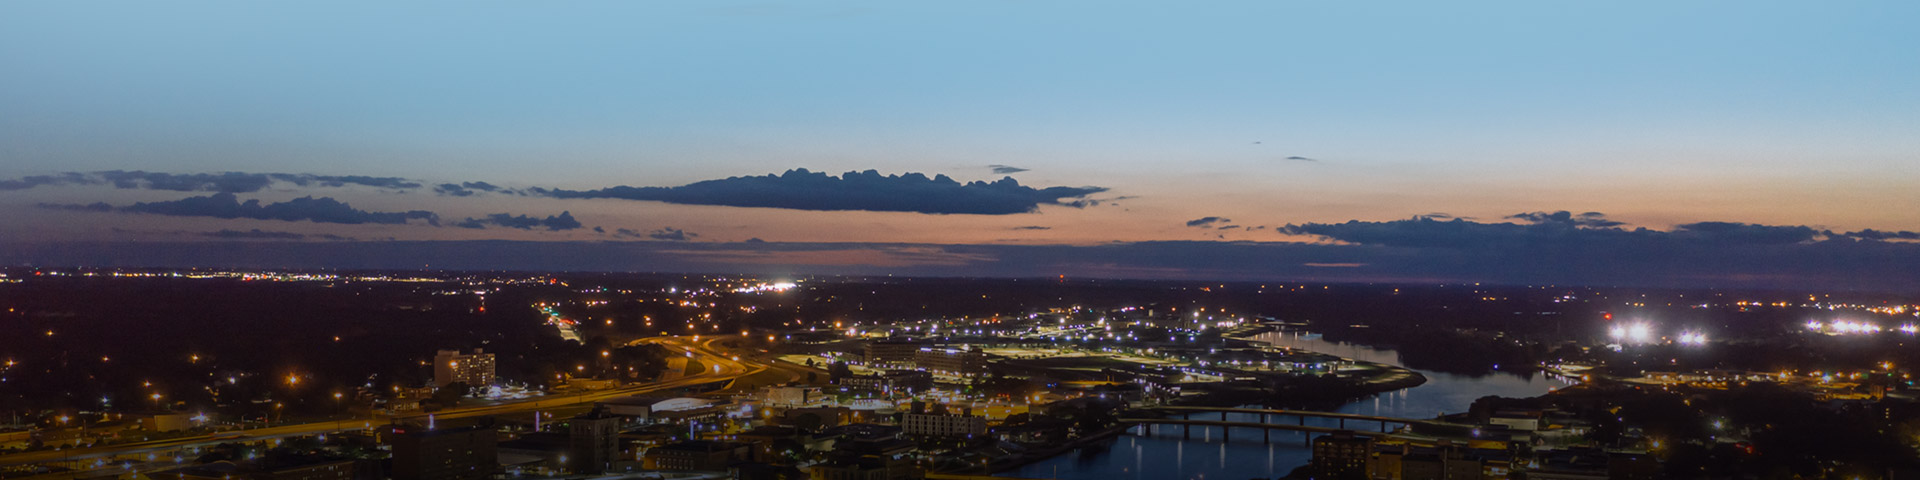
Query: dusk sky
point(1756, 143)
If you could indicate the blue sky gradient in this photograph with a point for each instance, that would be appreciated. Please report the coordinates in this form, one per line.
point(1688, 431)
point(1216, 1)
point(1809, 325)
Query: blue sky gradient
point(1655, 113)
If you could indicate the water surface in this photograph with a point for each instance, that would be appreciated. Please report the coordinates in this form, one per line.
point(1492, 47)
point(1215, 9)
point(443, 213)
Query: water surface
point(1248, 453)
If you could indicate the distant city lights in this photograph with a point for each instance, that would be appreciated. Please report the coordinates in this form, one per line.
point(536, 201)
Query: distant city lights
point(1849, 327)
point(1635, 333)
point(766, 287)
point(1693, 338)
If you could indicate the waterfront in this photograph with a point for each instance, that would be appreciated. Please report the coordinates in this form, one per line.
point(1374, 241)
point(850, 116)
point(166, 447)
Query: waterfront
point(1165, 454)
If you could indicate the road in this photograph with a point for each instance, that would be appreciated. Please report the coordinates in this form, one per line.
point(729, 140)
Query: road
point(721, 367)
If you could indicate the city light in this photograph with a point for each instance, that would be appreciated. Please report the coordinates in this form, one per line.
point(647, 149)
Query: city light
point(1846, 327)
point(1693, 338)
point(1635, 333)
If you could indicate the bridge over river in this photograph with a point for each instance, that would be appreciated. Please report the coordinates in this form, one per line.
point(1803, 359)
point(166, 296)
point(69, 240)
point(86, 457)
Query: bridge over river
point(1188, 417)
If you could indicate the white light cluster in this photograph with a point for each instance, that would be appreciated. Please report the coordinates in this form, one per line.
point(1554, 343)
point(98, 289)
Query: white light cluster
point(1848, 327)
point(1640, 333)
point(1632, 333)
point(1693, 338)
point(766, 287)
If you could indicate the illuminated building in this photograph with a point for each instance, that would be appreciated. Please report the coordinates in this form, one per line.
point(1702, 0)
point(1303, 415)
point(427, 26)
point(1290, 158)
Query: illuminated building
point(891, 353)
point(1343, 455)
point(450, 366)
point(942, 425)
point(951, 361)
point(903, 381)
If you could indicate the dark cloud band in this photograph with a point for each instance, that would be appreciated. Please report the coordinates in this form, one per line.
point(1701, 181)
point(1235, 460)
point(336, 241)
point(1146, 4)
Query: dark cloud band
point(554, 223)
point(227, 182)
point(226, 205)
point(869, 191)
point(1570, 232)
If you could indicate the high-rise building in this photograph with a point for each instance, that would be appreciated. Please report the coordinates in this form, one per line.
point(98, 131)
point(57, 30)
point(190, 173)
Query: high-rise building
point(451, 366)
point(593, 439)
point(466, 453)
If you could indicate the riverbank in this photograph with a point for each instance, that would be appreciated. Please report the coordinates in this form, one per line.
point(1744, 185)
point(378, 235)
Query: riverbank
point(1147, 457)
point(1024, 459)
point(1396, 379)
point(1388, 378)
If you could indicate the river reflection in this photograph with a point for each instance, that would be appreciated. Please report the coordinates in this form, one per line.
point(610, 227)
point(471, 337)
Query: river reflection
point(1167, 452)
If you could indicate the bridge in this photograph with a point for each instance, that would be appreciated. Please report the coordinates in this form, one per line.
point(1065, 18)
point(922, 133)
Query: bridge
point(1186, 421)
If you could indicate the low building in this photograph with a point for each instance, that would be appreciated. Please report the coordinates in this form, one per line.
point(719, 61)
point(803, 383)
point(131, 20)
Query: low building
point(791, 397)
point(902, 381)
point(767, 440)
point(867, 468)
point(274, 467)
point(951, 361)
point(168, 422)
point(591, 384)
point(891, 352)
point(764, 471)
point(1631, 466)
point(863, 439)
point(466, 453)
point(820, 417)
point(1446, 462)
point(1343, 455)
point(1520, 420)
point(697, 455)
point(640, 409)
point(536, 453)
point(943, 425)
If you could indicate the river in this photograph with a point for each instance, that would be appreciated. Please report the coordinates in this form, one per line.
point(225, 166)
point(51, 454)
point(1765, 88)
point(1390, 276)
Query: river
point(1164, 454)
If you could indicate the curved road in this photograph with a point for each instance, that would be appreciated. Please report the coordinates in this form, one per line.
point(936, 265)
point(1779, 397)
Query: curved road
point(728, 368)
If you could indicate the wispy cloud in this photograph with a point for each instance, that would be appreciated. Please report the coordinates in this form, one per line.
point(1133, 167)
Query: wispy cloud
point(1206, 222)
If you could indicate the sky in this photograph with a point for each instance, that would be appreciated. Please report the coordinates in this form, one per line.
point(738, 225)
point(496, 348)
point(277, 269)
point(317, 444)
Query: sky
point(130, 128)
